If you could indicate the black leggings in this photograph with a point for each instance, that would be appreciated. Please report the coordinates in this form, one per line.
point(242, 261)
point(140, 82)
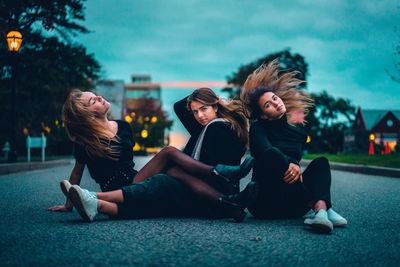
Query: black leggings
point(278, 199)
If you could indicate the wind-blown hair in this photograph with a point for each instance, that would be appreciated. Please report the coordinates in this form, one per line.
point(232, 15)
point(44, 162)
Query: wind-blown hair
point(84, 129)
point(267, 78)
point(231, 110)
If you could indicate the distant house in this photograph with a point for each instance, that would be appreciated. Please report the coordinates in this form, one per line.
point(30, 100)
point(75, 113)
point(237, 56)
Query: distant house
point(380, 126)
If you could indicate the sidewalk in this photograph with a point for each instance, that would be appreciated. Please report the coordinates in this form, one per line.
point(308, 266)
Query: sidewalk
point(366, 169)
point(6, 168)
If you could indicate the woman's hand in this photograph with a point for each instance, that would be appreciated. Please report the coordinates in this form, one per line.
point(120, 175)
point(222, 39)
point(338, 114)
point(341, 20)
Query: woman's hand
point(292, 174)
point(61, 208)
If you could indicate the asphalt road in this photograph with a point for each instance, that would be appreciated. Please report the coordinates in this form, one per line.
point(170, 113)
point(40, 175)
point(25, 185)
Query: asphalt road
point(32, 236)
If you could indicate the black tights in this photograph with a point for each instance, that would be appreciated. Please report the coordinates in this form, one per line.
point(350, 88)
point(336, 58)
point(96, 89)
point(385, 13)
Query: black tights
point(280, 200)
point(184, 168)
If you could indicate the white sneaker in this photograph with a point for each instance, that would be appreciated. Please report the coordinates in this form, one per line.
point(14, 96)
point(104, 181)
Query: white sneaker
point(309, 215)
point(65, 186)
point(336, 219)
point(84, 201)
point(320, 222)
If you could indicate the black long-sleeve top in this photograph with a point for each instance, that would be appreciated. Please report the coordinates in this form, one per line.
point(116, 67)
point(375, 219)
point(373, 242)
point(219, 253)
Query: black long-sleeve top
point(279, 135)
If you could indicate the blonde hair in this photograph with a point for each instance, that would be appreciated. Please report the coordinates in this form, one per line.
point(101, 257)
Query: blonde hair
point(231, 110)
point(84, 129)
point(267, 78)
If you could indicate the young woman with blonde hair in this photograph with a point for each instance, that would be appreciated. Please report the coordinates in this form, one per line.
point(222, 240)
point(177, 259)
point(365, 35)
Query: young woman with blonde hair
point(277, 138)
point(104, 146)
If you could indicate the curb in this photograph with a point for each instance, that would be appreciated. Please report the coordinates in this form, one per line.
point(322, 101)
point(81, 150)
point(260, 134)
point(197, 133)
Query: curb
point(366, 169)
point(7, 168)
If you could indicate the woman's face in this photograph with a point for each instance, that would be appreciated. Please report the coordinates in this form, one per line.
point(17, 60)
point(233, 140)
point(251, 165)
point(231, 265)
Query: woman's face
point(203, 113)
point(272, 107)
point(96, 104)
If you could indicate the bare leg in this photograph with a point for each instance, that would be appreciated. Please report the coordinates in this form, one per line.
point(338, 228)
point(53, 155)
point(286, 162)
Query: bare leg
point(115, 196)
point(200, 187)
point(320, 205)
point(170, 157)
point(108, 208)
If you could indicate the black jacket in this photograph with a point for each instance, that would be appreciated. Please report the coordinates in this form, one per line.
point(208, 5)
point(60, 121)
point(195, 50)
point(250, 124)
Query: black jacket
point(275, 141)
point(221, 145)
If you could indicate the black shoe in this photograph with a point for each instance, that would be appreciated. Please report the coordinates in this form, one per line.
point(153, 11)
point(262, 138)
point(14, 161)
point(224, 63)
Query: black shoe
point(234, 173)
point(236, 203)
point(231, 210)
point(245, 197)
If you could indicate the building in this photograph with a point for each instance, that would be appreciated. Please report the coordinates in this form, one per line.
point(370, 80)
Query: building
point(113, 92)
point(142, 108)
point(141, 93)
point(379, 126)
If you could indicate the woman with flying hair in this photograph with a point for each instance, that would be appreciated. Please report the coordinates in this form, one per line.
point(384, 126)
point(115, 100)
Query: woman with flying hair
point(278, 107)
point(219, 138)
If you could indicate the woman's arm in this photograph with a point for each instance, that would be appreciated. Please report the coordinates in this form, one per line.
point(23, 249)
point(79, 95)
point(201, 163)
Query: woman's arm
point(262, 148)
point(186, 117)
point(75, 178)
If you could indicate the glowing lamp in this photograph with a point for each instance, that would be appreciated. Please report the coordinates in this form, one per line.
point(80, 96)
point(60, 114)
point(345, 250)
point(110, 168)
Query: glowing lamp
point(128, 119)
point(144, 133)
point(136, 147)
point(371, 137)
point(308, 139)
point(14, 41)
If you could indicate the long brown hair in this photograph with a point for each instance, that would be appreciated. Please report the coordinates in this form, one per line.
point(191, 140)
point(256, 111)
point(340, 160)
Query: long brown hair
point(84, 129)
point(267, 78)
point(231, 110)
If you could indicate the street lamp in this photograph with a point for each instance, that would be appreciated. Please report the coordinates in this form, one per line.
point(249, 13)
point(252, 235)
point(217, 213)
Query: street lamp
point(14, 41)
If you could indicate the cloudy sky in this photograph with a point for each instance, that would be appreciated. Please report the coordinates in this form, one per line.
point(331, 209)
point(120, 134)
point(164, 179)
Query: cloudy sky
point(349, 45)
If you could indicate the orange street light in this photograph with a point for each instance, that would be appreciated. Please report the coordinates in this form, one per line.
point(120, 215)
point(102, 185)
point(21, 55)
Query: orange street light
point(14, 41)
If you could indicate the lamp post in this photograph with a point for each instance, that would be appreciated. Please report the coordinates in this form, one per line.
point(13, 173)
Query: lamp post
point(14, 41)
point(371, 150)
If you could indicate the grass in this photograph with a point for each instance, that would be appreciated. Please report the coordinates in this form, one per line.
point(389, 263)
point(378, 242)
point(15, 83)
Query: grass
point(391, 160)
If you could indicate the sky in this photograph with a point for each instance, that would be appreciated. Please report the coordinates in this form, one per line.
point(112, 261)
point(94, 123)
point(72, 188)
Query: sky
point(349, 45)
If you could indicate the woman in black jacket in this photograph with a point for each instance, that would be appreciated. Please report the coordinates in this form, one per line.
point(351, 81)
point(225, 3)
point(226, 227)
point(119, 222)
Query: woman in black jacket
point(218, 138)
point(276, 143)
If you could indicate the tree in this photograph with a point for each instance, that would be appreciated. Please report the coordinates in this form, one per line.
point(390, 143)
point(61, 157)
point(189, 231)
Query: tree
point(49, 64)
point(327, 122)
point(287, 62)
point(149, 117)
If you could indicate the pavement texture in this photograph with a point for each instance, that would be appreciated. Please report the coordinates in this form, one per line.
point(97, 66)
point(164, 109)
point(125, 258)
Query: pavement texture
point(32, 236)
